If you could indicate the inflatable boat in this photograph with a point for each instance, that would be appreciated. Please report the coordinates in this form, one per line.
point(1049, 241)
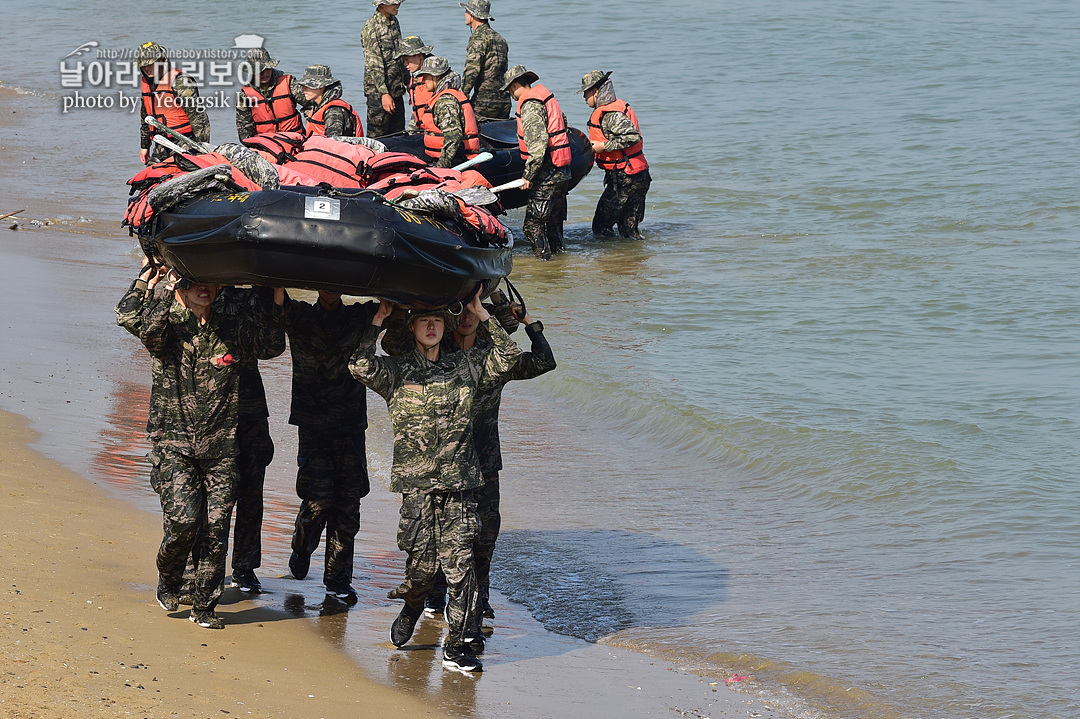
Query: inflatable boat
point(353, 243)
point(499, 137)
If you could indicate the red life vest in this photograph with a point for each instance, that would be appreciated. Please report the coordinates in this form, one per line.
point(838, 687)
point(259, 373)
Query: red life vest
point(388, 164)
point(433, 136)
point(277, 147)
point(630, 160)
point(209, 159)
point(276, 113)
point(162, 104)
point(558, 139)
point(138, 210)
point(316, 125)
point(420, 99)
point(337, 163)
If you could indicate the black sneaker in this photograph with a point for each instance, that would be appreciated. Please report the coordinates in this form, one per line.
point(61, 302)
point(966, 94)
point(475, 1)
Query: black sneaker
point(206, 619)
point(461, 658)
point(246, 581)
point(168, 599)
point(402, 628)
point(475, 642)
point(343, 594)
point(436, 601)
point(299, 564)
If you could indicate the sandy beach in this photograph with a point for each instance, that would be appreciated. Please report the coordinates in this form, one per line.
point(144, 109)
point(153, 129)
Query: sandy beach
point(82, 635)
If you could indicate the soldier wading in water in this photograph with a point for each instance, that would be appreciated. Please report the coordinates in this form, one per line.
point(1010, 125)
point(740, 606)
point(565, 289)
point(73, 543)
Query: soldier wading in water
point(430, 396)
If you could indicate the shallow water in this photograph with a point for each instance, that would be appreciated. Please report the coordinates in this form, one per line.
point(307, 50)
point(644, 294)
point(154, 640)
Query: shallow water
point(821, 424)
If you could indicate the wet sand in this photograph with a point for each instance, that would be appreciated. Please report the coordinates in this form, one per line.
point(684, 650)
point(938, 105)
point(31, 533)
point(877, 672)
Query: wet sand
point(83, 631)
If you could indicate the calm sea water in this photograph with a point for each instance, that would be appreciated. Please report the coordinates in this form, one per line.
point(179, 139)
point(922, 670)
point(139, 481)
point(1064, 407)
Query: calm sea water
point(821, 425)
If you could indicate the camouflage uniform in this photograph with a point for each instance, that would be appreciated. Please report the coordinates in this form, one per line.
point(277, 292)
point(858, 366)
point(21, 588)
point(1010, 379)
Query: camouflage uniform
point(623, 199)
point(448, 117)
point(187, 97)
point(245, 126)
point(194, 413)
point(256, 448)
point(330, 411)
point(384, 74)
point(486, 440)
point(436, 467)
point(546, 208)
point(485, 66)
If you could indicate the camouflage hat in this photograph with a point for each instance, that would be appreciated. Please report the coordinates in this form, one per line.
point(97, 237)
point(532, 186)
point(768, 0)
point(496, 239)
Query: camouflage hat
point(150, 52)
point(518, 72)
point(413, 45)
point(377, 3)
point(592, 79)
point(433, 65)
point(479, 9)
point(258, 59)
point(317, 77)
point(450, 320)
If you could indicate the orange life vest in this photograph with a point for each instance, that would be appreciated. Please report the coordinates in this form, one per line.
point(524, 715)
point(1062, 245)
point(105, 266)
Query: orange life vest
point(433, 136)
point(277, 147)
point(388, 164)
point(276, 113)
point(558, 139)
point(337, 163)
point(162, 104)
point(420, 99)
point(316, 125)
point(630, 160)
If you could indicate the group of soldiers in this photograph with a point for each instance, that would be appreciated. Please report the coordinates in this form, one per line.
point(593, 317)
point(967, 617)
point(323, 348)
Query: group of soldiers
point(442, 378)
point(446, 107)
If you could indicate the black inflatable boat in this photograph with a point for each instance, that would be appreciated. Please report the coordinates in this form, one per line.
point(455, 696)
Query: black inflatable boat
point(499, 137)
point(353, 245)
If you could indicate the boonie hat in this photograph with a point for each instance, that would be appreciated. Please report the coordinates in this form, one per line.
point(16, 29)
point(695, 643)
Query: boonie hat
point(433, 65)
point(150, 52)
point(258, 58)
point(518, 72)
point(592, 79)
point(413, 45)
point(377, 3)
point(479, 9)
point(317, 77)
point(450, 320)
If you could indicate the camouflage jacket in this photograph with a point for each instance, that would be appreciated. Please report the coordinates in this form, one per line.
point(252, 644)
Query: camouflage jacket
point(384, 73)
point(187, 95)
point(325, 397)
point(431, 408)
point(245, 126)
point(485, 64)
point(195, 401)
point(129, 312)
point(489, 395)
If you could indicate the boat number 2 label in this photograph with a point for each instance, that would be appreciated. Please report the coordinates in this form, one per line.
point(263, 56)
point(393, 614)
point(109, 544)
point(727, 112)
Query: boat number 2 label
point(322, 208)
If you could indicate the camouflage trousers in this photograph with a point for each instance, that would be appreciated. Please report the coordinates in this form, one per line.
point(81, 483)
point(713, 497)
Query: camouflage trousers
point(196, 504)
point(256, 452)
point(331, 480)
point(380, 122)
point(495, 106)
point(622, 203)
point(487, 506)
point(438, 529)
point(546, 210)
